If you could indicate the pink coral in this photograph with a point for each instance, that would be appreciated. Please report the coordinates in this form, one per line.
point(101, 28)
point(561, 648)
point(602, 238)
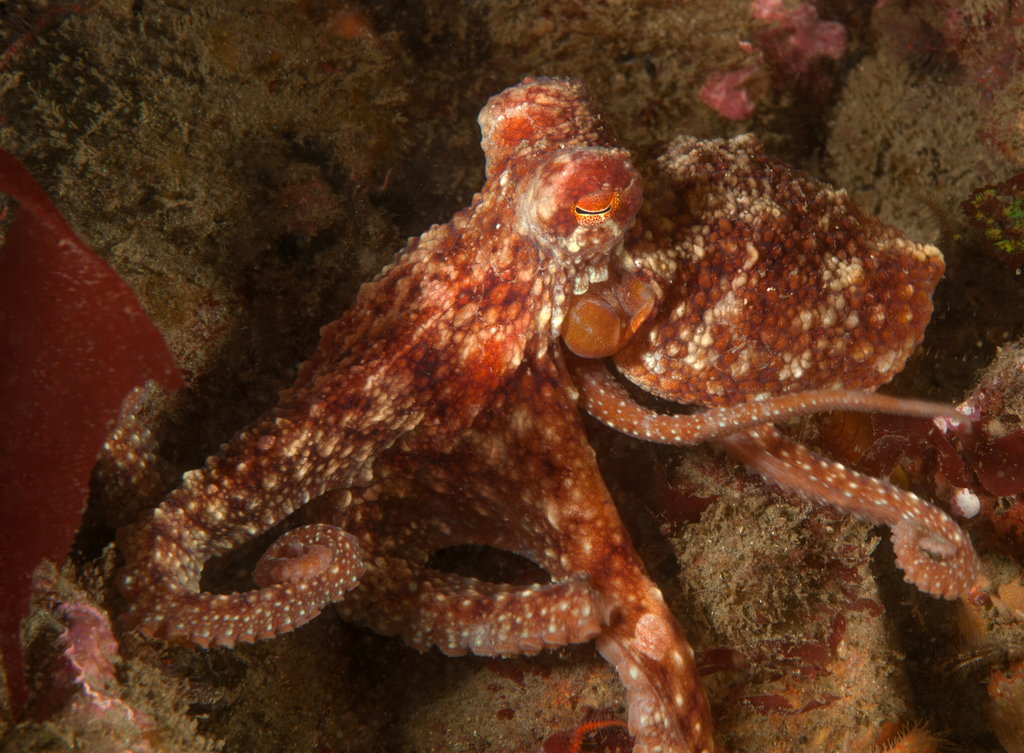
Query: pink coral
point(789, 47)
point(91, 648)
point(722, 93)
point(808, 36)
point(83, 694)
point(91, 653)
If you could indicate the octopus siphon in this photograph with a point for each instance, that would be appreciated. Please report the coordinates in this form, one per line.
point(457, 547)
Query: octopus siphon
point(444, 408)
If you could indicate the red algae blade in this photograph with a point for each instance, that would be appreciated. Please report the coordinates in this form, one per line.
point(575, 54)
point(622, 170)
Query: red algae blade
point(74, 341)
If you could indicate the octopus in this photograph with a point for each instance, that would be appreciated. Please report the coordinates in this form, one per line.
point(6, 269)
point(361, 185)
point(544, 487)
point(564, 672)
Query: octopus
point(444, 408)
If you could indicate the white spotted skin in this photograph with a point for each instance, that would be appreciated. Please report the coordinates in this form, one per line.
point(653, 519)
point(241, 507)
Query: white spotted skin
point(769, 282)
point(777, 297)
point(438, 412)
point(934, 553)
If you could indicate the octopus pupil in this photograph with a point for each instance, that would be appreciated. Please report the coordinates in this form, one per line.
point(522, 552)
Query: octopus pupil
point(592, 212)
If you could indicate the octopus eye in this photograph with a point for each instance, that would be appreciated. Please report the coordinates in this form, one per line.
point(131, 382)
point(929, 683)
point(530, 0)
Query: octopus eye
point(595, 208)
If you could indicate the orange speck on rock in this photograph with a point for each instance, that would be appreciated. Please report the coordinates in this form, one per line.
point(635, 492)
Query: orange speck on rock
point(349, 24)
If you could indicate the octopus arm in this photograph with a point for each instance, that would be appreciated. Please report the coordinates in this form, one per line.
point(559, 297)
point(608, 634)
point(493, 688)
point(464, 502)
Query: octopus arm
point(667, 706)
point(932, 550)
point(420, 371)
point(266, 472)
point(303, 571)
point(605, 399)
point(536, 491)
point(459, 614)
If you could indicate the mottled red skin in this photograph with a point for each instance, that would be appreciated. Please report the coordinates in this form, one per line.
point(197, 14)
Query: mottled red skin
point(770, 282)
point(776, 297)
point(438, 411)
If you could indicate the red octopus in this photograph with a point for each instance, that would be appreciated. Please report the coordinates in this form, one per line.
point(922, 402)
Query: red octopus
point(442, 410)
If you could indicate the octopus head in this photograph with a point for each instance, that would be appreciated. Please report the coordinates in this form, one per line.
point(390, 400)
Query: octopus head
point(577, 207)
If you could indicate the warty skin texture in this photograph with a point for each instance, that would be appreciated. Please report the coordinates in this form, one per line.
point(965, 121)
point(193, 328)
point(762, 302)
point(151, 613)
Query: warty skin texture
point(440, 410)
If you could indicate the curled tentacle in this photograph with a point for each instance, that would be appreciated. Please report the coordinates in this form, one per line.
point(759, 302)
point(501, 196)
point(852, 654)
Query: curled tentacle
point(930, 547)
point(932, 550)
point(303, 571)
point(460, 615)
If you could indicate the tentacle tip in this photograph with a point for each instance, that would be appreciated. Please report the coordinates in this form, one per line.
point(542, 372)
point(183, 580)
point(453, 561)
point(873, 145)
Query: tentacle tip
point(956, 420)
